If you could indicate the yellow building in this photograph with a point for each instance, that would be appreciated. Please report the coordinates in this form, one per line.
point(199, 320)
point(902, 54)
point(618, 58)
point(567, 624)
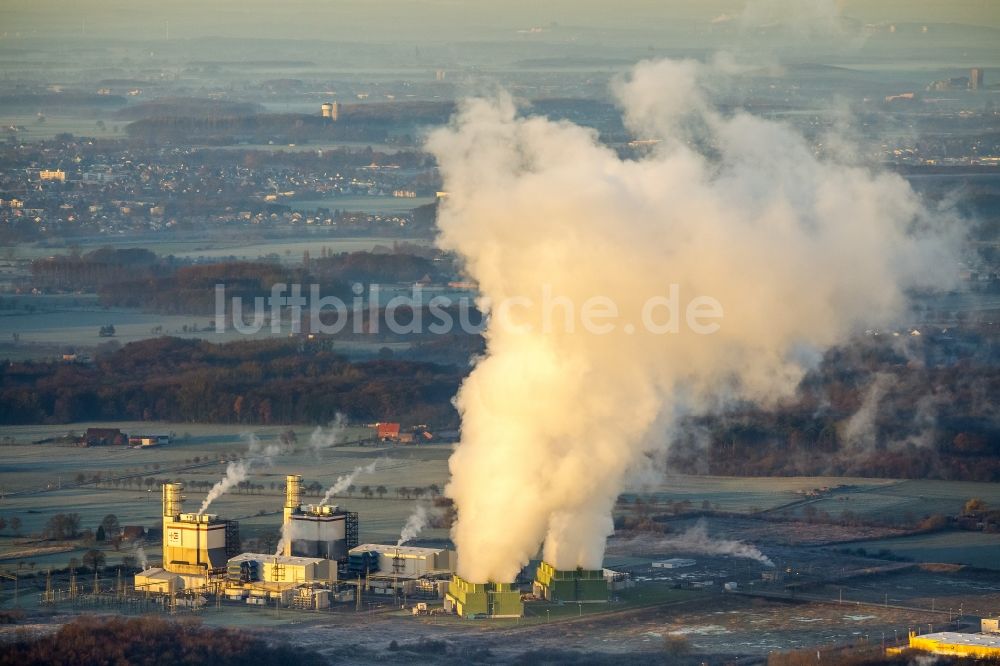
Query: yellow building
point(195, 547)
point(54, 174)
point(288, 569)
point(157, 580)
point(957, 644)
point(193, 543)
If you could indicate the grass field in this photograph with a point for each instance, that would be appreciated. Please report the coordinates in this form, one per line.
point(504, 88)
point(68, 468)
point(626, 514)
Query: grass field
point(57, 124)
point(364, 204)
point(976, 549)
point(249, 247)
point(890, 501)
point(744, 494)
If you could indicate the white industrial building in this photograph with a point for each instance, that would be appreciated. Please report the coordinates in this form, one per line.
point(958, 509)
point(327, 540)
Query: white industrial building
point(408, 561)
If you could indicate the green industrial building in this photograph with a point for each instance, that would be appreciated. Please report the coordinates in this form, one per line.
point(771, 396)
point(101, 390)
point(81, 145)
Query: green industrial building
point(483, 599)
point(577, 585)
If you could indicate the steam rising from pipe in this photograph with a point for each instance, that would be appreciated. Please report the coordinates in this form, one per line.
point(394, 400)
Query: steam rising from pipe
point(289, 531)
point(694, 540)
point(344, 481)
point(414, 524)
point(237, 471)
point(332, 436)
point(800, 252)
point(140, 556)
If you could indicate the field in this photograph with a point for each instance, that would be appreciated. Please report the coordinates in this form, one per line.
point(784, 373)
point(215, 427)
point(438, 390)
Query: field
point(892, 500)
point(744, 494)
point(288, 248)
point(976, 549)
point(364, 204)
point(60, 124)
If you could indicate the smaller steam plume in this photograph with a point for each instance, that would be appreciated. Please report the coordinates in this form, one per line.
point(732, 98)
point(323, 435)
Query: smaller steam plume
point(345, 480)
point(334, 434)
point(695, 540)
point(862, 430)
point(289, 531)
point(414, 524)
point(140, 556)
point(237, 471)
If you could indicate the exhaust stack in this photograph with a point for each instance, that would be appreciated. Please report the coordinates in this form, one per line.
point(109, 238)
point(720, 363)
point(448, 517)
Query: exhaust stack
point(293, 500)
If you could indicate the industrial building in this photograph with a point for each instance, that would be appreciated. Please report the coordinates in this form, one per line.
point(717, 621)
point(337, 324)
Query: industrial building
point(952, 643)
point(158, 580)
point(319, 561)
point(261, 568)
point(576, 585)
point(201, 552)
point(316, 530)
point(330, 110)
point(195, 546)
point(405, 571)
point(475, 600)
point(408, 561)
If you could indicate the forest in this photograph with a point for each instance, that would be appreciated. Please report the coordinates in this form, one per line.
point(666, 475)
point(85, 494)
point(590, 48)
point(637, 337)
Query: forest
point(149, 640)
point(252, 382)
point(138, 278)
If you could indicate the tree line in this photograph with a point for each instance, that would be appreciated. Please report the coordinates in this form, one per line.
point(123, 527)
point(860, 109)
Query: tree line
point(250, 382)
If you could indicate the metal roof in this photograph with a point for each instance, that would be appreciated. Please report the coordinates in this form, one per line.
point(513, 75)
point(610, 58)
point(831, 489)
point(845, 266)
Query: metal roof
point(280, 559)
point(956, 638)
point(412, 551)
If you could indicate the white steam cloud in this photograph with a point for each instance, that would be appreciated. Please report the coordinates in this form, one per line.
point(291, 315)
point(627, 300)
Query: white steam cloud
point(332, 436)
point(861, 431)
point(344, 481)
point(414, 524)
point(140, 556)
point(695, 540)
point(289, 532)
point(237, 471)
point(800, 252)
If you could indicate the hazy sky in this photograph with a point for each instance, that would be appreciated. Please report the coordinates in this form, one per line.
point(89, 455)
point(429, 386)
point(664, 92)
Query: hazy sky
point(359, 20)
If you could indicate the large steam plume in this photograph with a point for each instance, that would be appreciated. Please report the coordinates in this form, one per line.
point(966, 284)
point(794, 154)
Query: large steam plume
point(237, 471)
point(800, 252)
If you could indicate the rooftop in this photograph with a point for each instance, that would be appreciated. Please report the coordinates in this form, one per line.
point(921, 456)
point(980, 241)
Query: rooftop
point(956, 638)
point(412, 551)
point(279, 559)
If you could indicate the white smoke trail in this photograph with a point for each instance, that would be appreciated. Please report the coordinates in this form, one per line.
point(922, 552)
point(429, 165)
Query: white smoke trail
point(414, 524)
point(332, 436)
point(237, 471)
point(799, 253)
point(344, 481)
point(861, 431)
point(694, 540)
point(140, 556)
point(288, 534)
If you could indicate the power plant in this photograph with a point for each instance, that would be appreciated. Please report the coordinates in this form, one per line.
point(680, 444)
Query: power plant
point(318, 561)
point(330, 110)
point(316, 530)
